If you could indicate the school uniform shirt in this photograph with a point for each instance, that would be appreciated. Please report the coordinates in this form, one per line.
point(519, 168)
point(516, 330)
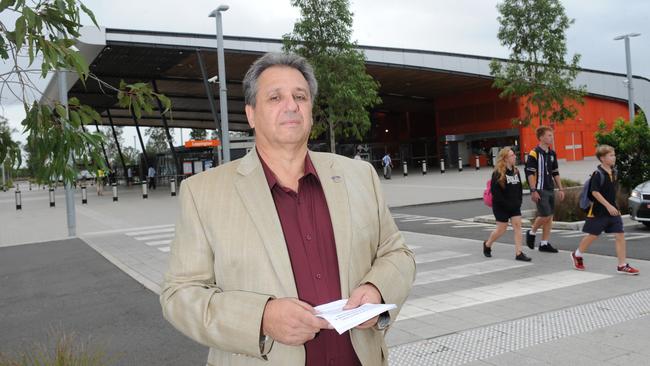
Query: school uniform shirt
point(608, 190)
point(543, 165)
point(510, 196)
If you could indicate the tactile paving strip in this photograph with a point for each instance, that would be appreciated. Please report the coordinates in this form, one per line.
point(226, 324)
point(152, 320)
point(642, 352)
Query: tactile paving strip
point(490, 341)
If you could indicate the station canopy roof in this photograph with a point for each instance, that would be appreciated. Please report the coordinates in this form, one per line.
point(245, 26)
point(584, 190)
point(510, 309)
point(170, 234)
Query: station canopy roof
point(173, 66)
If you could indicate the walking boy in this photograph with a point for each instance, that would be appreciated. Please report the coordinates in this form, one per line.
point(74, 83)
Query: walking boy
point(388, 165)
point(604, 215)
point(543, 175)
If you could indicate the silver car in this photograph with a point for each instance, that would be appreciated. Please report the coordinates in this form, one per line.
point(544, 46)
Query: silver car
point(640, 203)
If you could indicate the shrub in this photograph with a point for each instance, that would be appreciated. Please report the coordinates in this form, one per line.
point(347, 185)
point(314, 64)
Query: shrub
point(632, 144)
point(66, 351)
point(569, 209)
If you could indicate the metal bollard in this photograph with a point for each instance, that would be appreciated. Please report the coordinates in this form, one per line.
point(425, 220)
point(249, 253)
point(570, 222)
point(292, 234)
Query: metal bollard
point(460, 164)
point(30, 185)
point(442, 166)
point(19, 200)
point(478, 164)
point(51, 196)
point(424, 167)
point(172, 185)
point(145, 194)
point(114, 192)
point(405, 168)
point(84, 196)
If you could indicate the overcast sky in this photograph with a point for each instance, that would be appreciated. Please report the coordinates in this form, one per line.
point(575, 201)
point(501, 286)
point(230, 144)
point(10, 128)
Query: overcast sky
point(460, 26)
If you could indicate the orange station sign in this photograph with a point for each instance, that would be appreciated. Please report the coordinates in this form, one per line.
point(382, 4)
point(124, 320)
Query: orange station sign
point(202, 143)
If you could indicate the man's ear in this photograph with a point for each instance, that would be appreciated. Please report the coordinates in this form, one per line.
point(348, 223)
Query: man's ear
point(250, 115)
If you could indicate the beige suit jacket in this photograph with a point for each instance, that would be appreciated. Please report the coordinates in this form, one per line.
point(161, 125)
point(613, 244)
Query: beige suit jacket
point(229, 257)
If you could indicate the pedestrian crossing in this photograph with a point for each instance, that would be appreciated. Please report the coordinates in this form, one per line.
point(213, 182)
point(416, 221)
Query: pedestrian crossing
point(159, 237)
point(439, 265)
point(468, 223)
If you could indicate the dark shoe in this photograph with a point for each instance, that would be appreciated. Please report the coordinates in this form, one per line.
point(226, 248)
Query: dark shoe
point(548, 248)
point(487, 251)
point(530, 240)
point(522, 257)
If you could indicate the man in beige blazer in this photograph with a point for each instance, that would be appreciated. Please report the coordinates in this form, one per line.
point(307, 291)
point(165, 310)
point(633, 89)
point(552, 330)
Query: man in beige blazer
point(235, 282)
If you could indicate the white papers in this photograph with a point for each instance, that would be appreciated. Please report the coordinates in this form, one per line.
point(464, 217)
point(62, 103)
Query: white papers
point(344, 320)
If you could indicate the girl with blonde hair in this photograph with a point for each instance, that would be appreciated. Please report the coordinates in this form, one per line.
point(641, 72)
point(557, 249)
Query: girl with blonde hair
point(507, 194)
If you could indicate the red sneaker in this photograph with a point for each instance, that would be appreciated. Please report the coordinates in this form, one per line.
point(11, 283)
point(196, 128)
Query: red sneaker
point(577, 262)
point(627, 269)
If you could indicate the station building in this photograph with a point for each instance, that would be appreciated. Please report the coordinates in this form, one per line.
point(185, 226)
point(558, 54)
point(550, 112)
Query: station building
point(435, 105)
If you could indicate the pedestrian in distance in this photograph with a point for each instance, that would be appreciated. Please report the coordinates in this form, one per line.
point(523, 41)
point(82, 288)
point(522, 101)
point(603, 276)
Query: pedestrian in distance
point(507, 195)
point(151, 176)
point(100, 182)
point(387, 162)
point(603, 213)
point(543, 177)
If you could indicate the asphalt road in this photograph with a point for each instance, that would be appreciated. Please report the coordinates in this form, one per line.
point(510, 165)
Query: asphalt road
point(450, 219)
point(66, 286)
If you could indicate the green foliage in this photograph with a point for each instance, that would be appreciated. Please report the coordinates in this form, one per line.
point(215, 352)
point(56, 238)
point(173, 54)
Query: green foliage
point(140, 97)
point(9, 149)
point(536, 71)
point(46, 30)
point(346, 91)
point(632, 144)
point(55, 136)
point(198, 134)
point(157, 142)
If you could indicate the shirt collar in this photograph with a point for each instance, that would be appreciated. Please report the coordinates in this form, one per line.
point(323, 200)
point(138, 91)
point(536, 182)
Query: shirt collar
point(272, 180)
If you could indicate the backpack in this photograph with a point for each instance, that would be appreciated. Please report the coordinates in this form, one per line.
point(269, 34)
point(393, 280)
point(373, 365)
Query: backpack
point(586, 199)
point(487, 194)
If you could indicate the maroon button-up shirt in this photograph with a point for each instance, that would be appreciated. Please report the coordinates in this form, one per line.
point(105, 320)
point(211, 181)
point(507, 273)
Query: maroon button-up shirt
point(309, 235)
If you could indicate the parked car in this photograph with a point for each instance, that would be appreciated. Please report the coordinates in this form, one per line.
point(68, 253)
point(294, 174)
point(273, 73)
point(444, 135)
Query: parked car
point(640, 203)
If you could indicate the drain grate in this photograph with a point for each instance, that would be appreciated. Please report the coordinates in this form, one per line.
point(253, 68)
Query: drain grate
point(490, 341)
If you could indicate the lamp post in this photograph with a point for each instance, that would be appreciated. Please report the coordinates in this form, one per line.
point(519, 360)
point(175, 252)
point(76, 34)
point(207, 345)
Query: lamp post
point(223, 102)
point(630, 89)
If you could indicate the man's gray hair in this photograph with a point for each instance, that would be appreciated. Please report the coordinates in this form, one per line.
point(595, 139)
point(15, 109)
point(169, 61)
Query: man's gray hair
point(277, 59)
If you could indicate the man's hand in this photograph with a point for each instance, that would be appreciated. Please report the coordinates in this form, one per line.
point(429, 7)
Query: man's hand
point(613, 211)
point(560, 195)
point(535, 196)
point(364, 294)
point(291, 321)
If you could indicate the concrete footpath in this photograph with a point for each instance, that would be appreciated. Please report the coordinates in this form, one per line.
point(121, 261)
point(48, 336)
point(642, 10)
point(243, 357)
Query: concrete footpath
point(464, 309)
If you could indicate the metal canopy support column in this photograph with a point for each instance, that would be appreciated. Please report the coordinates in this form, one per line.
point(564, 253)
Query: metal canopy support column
point(108, 163)
point(177, 163)
point(137, 128)
point(208, 91)
point(117, 143)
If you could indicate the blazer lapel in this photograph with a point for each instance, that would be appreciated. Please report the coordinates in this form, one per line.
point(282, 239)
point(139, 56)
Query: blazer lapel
point(253, 189)
point(336, 195)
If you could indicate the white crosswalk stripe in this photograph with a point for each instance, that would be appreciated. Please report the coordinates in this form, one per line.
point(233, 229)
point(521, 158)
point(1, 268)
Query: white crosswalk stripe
point(437, 256)
point(467, 270)
point(152, 237)
point(501, 291)
point(146, 232)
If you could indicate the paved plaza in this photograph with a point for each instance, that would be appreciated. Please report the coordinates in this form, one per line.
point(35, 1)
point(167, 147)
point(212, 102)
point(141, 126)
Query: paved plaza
point(464, 309)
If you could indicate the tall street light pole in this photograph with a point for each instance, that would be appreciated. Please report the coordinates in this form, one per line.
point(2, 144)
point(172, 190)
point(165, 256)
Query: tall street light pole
point(223, 101)
point(630, 89)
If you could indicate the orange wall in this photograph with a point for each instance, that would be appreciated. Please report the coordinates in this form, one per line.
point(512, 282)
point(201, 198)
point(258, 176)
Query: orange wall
point(579, 131)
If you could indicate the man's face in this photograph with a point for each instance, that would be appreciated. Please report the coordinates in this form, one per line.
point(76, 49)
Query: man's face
point(547, 138)
point(282, 114)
